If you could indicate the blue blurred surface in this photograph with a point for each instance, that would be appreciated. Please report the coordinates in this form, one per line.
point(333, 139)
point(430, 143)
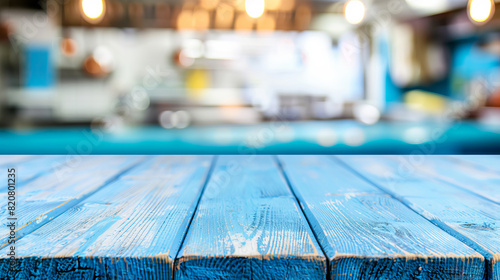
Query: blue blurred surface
point(266, 138)
point(39, 71)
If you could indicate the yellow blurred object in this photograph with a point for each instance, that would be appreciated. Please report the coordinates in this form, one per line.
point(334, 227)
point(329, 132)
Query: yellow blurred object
point(185, 20)
point(273, 5)
point(287, 5)
point(209, 4)
point(243, 23)
point(201, 19)
point(266, 23)
point(425, 101)
point(239, 5)
point(197, 80)
point(224, 15)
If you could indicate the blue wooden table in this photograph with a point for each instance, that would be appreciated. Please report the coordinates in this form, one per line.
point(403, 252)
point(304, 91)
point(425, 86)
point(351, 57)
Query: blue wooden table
point(250, 217)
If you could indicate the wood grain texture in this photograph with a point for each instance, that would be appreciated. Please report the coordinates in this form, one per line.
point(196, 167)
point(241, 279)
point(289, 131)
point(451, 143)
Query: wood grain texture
point(248, 225)
point(490, 162)
point(32, 167)
point(468, 217)
point(44, 198)
point(366, 234)
point(131, 229)
point(478, 174)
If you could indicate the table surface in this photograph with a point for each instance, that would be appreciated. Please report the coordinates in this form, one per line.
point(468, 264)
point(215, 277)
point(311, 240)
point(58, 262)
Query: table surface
point(251, 217)
point(276, 137)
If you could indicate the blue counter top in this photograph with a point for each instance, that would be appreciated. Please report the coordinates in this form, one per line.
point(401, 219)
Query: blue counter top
point(315, 137)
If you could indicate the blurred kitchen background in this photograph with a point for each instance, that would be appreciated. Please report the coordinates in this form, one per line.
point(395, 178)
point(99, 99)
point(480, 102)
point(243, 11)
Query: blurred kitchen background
point(249, 76)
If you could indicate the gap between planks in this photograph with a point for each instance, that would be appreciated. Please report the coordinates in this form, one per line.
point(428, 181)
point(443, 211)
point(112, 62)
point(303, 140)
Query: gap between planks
point(442, 225)
point(28, 228)
point(287, 180)
point(207, 179)
point(179, 235)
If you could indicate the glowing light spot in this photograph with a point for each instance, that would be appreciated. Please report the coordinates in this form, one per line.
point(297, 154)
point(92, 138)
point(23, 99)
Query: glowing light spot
point(327, 137)
point(416, 135)
point(354, 11)
point(93, 9)
point(480, 11)
point(354, 137)
point(169, 119)
point(366, 113)
point(428, 6)
point(255, 8)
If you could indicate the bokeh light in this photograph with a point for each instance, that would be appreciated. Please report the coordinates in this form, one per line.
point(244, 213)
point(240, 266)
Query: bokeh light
point(243, 23)
point(255, 8)
point(209, 4)
point(224, 15)
point(273, 5)
point(93, 9)
point(367, 113)
point(354, 11)
point(266, 23)
point(480, 11)
point(201, 19)
point(68, 47)
point(327, 137)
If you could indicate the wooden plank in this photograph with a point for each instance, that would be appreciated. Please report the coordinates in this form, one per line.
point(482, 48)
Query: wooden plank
point(248, 225)
point(468, 217)
point(46, 197)
point(6, 160)
point(469, 175)
point(366, 234)
point(131, 229)
point(490, 162)
point(35, 166)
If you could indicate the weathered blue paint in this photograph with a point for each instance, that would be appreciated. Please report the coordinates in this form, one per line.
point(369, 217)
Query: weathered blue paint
point(467, 216)
point(125, 217)
point(477, 174)
point(130, 229)
point(46, 197)
point(366, 234)
point(34, 166)
point(491, 162)
point(248, 225)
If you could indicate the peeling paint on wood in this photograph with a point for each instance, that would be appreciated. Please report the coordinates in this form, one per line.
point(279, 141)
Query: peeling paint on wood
point(478, 174)
point(248, 226)
point(131, 229)
point(468, 217)
point(366, 234)
point(374, 217)
point(35, 166)
point(46, 197)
